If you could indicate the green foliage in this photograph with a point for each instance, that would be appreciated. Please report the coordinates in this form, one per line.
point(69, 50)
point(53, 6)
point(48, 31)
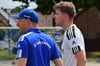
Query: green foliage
point(17, 9)
point(1, 24)
point(4, 55)
point(24, 1)
point(2, 32)
point(46, 6)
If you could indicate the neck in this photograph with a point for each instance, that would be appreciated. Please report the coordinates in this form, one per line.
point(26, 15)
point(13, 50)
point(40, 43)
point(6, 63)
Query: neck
point(67, 24)
point(31, 26)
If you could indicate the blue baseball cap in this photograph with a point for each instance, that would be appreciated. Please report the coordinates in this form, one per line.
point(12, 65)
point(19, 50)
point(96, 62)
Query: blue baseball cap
point(27, 14)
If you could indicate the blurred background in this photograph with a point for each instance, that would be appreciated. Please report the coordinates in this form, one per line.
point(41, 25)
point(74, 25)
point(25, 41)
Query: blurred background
point(87, 19)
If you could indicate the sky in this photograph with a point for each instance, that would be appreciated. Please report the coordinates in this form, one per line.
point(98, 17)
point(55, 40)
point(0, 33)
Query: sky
point(9, 4)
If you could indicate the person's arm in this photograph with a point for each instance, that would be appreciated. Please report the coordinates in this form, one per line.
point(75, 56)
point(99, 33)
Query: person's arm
point(58, 62)
point(21, 62)
point(81, 58)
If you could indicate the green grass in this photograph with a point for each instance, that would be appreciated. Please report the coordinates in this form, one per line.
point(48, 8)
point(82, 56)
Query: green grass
point(5, 55)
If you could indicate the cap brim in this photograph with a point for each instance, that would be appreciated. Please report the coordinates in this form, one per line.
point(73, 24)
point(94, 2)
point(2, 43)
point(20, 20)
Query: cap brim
point(16, 16)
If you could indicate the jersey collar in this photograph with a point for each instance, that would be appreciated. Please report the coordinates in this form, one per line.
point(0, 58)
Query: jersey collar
point(70, 26)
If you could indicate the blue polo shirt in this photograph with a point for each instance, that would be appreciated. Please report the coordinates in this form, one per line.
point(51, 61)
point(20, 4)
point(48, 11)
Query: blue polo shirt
point(37, 47)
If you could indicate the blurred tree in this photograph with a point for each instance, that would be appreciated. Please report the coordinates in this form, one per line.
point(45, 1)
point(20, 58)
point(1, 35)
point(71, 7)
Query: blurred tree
point(24, 1)
point(46, 6)
point(2, 31)
point(17, 9)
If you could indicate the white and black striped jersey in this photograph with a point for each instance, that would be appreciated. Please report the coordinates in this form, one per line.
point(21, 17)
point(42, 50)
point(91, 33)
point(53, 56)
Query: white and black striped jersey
point(72, 43)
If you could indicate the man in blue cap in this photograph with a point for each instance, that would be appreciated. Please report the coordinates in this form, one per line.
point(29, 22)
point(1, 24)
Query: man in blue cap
point(34, 48)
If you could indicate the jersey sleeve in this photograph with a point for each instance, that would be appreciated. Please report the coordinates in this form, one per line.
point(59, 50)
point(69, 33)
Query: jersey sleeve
point(77, 43)
point(55, 52)
point(22, 49)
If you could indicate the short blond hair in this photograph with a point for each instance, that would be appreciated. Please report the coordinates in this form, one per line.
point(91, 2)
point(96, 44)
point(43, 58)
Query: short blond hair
point(66, 7)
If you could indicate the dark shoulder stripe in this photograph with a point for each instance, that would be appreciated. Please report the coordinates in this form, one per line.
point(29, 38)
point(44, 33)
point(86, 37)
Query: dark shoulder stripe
point(71, 33)
point(73, 29)
point(67, 35)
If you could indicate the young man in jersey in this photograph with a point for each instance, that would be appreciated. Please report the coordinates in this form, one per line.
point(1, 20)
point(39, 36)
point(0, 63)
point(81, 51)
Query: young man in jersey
point(34, 48)
point(73, 49)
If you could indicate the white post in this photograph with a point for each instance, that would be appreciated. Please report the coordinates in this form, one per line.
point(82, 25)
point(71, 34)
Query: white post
point(10, 48)
point(8, 11)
